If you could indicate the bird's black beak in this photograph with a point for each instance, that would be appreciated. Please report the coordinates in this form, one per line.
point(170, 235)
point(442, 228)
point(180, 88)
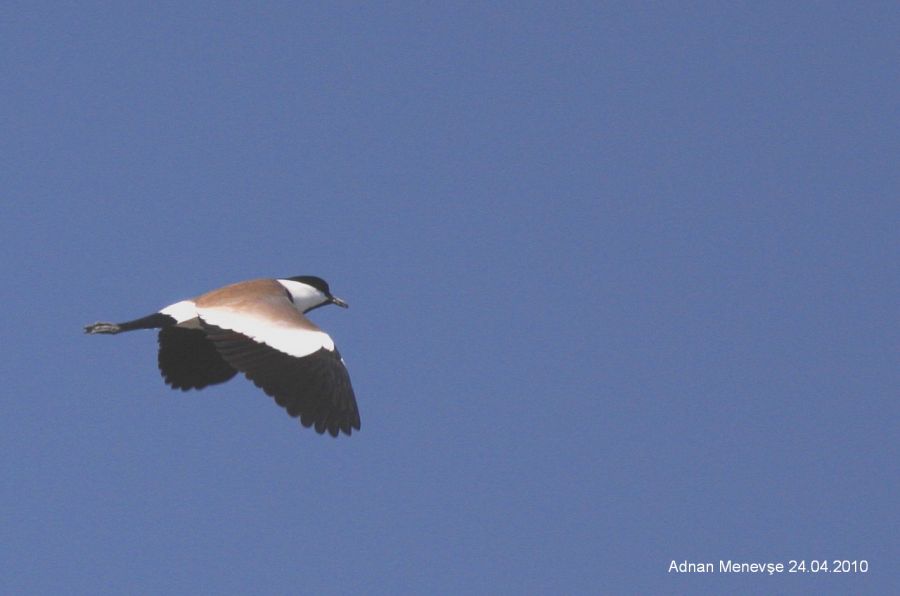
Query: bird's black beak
point(337, 301)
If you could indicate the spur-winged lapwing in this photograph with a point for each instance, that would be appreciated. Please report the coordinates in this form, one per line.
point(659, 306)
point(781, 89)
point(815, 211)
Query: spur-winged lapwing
point(257, 327)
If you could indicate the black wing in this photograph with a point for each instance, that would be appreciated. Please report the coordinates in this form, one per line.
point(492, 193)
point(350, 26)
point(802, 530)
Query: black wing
point(188, 360)
point(315, 387)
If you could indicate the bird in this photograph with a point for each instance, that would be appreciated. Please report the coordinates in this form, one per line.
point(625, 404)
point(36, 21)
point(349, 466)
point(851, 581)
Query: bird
point(258, 328)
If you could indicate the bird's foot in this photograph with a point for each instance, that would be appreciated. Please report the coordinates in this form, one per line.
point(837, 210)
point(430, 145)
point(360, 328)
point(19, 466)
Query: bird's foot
point(101, 327)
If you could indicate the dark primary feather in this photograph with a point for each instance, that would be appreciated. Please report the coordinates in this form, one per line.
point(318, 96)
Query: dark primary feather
point(188, 360)
point(316, 388)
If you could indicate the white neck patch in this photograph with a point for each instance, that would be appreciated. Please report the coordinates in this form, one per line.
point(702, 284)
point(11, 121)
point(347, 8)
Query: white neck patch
point(305, 296)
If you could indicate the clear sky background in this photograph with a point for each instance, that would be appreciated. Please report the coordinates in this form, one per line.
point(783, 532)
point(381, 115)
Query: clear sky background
point(623, 283)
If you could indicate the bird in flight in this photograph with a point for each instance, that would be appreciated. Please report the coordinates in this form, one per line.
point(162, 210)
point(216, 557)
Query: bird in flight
point(259, 328)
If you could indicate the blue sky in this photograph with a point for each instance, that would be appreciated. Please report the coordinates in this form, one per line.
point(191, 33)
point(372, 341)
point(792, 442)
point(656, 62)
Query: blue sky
point(623, 284)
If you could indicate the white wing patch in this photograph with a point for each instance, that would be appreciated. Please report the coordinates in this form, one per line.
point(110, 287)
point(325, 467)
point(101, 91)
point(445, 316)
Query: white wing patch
point(181, 311)
point(292, 340)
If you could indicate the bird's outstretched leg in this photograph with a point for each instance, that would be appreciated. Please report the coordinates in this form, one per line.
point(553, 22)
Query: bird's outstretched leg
point(154, 321)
